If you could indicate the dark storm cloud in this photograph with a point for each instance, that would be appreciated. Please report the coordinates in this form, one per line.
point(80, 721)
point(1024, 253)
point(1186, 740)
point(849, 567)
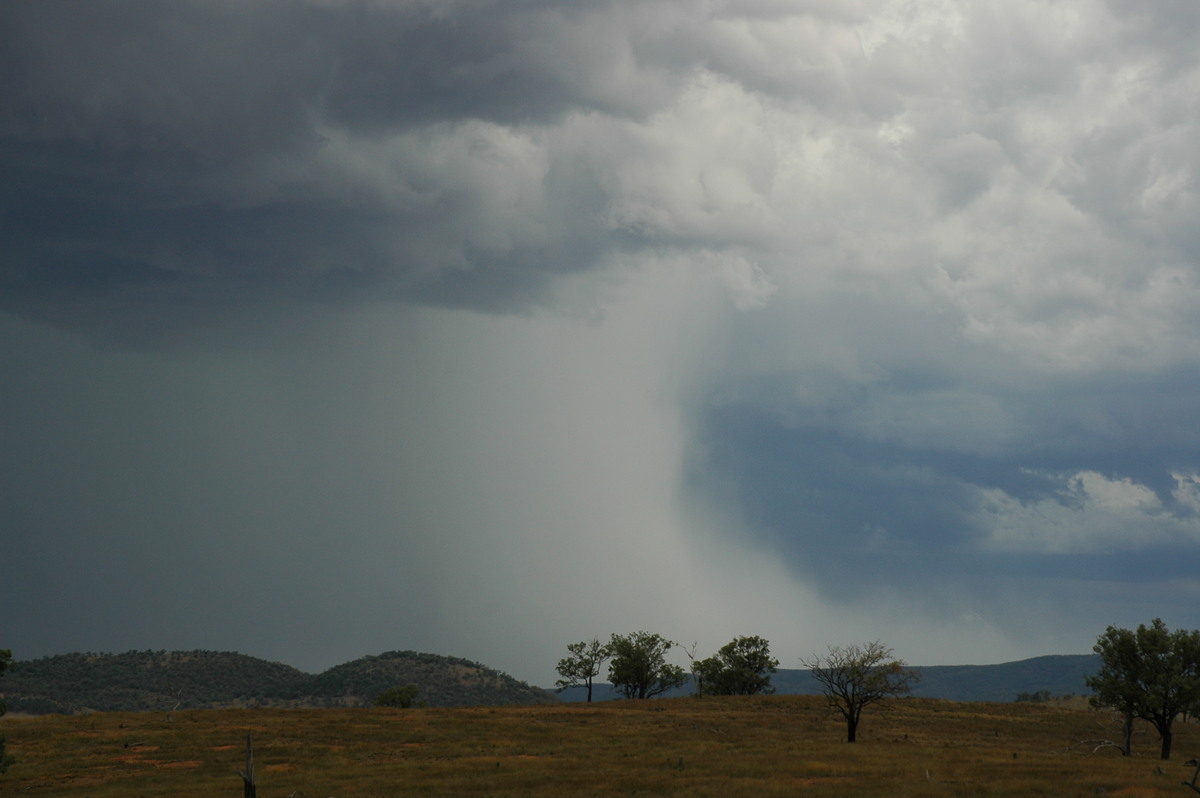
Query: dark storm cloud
point(217, 80)
point(209, 155)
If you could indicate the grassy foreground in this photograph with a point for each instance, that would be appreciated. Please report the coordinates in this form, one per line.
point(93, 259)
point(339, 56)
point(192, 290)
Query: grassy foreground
point(751, 746)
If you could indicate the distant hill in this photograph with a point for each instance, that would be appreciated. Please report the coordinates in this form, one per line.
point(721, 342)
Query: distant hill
point(165, 680)
point(442, 681)
point(1058, 675)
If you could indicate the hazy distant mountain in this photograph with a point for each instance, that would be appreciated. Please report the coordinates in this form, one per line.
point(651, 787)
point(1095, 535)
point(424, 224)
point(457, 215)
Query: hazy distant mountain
point(1058, 675)
point(164, 680)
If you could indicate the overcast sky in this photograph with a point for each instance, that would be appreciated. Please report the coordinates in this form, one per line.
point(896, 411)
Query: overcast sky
point(334, 327)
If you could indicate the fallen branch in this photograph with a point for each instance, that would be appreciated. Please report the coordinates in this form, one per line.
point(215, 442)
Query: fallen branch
point(1098, 745)
point(1195, 775)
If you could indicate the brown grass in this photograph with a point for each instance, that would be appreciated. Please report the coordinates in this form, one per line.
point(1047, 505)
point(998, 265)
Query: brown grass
point(755, 746)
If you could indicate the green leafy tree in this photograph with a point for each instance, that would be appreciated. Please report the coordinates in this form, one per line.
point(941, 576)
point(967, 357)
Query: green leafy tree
point(741, 667)
point(5, 759)
point(1151, 674)
point(1120, 659)
point(854, 677)
point(639, 668)
point(583, 666)
point(397, 697)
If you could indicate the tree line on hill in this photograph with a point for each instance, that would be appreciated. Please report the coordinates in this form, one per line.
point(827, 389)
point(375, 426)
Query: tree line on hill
point(638, 667)
point(852, 678)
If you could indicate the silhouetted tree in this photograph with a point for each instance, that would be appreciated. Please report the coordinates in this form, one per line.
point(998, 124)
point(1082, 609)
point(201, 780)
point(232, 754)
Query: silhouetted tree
point(854, 677)
point(1151, 674)
point(639, 668)
point(740, 667)
point(583, 666)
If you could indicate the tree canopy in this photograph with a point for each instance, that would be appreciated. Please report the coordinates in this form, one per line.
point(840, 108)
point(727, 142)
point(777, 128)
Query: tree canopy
point(639, 668)
point(742, 666)
point(1151, 674)
point(855, 677)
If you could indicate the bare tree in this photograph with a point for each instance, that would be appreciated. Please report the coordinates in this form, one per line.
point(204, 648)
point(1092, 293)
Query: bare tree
point(855, 677)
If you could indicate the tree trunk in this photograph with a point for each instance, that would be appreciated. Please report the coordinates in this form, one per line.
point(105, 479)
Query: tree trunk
point(1166, 742)
point(851, 730)
point(1127, 736)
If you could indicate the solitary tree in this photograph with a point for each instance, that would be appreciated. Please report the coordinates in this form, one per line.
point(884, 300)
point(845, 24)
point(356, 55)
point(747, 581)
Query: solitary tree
point(639, 668)
point(855, 677)
point(5, 759)
point(1151, 674)
point(583, 666)
point(740, 667)
point(397, 697)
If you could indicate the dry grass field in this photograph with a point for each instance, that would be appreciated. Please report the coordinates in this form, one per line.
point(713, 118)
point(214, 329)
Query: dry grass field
point(739, 746)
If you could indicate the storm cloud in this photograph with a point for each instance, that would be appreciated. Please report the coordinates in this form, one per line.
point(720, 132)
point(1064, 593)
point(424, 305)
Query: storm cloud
point(337, 327)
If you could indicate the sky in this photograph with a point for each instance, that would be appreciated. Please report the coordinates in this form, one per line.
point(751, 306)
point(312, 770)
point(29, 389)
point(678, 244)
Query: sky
point(333, 327)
